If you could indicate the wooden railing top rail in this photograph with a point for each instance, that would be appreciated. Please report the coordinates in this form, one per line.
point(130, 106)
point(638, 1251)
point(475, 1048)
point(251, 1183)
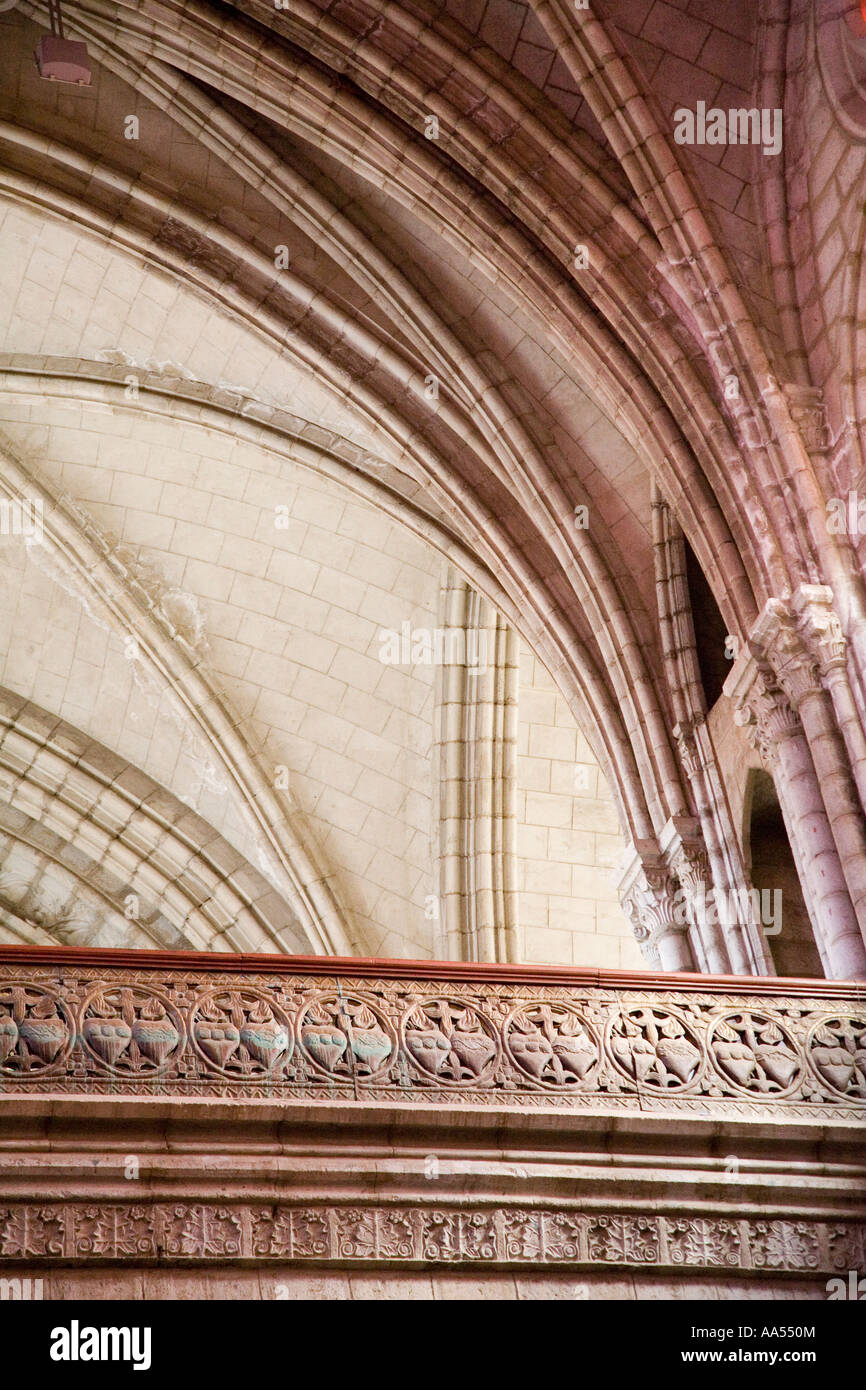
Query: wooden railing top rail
point(360, 967)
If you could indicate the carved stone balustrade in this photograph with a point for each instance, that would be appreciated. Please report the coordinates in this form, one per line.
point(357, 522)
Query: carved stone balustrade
point(168, 1110)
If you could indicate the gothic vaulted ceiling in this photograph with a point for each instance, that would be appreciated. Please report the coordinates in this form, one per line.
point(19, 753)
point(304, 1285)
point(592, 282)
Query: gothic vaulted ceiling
point(304, 302)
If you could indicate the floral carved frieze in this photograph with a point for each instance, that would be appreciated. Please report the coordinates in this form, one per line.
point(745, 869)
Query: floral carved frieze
point(132, 1031)
point(655, 1047)
point(451, 1041)
point(204, 1232)
point(253, 1035)
point(36, 1032)
point(552, 1043)
point(346, 1037)
point(240, 1032)
point(756, 1053)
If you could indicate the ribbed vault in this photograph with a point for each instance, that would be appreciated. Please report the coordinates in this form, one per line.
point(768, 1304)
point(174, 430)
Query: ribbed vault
point(450, 260)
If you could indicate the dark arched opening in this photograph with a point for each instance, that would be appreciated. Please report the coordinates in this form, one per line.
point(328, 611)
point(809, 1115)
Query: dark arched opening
point(774, 874)
point(711, 634)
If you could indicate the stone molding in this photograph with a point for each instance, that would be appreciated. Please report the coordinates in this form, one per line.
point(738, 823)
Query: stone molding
point(404, 1234)
point(183, 1033)
point(702, 850)
point(92, 815)
point(476, 721)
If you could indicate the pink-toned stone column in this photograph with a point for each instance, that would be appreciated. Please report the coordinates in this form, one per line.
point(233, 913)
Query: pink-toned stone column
point(797, 674)
point(685, 852)
point(821, 631)
point(776, 730)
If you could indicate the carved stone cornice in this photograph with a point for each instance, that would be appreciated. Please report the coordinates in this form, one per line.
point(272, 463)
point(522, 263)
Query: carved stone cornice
point(262, 1113)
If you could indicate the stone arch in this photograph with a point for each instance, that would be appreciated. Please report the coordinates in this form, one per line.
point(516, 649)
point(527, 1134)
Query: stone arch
point(459, 258)
point(167, 653)
point(95, 853)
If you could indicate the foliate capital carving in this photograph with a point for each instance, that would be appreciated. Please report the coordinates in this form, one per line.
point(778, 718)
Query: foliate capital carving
point(799, 679)
point(771, 677)
point(768, 719)
point(687, 747)
point(634, 907)
point(682, 844)
point(652, 898)
point(691, 865)
point(820, 626)
point(660, 906)
point(778, 644)
point(809, 413)
point(795, 645)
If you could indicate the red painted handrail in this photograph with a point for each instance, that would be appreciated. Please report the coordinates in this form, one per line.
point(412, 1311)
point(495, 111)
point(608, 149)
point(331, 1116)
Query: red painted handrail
point(277, 964)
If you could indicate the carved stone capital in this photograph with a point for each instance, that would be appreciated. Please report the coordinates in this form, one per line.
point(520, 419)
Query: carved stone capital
point(798, 677)
point(778, 644)
point(771, 678)
point(820, 627)
point(682, 844)
point(761, 705)
point(687, 747)
point(652, 898)
point(691, 865)
point(769, 719)
point(799, 642)
point(809, 413)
